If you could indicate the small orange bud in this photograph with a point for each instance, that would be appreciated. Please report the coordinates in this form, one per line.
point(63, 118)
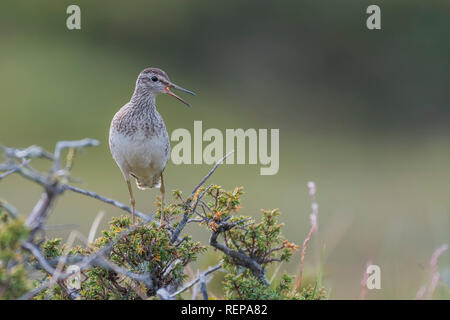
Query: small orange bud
point(289, 245)
point(213, 225)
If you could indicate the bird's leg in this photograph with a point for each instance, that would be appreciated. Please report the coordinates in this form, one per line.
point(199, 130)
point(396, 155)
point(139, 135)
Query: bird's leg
point(132, 201)
point(162, 189)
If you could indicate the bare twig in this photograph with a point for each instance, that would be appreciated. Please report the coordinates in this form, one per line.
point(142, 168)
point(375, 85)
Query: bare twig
point(39, 214)
point(110, 201)
point(211, 172)
point(200, 196)
point(145, 278)
point(12, 168)
point(186, 213)
point(163, 294)
point(11, 210)
point(31, 174)
point(203, 286)
point(36, 252)
point(7, 173)
point(40, 211)
point(30, 152)
point(61, 145)
point(198, 279)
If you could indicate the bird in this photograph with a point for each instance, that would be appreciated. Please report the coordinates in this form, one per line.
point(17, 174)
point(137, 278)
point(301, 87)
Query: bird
point(138, 138)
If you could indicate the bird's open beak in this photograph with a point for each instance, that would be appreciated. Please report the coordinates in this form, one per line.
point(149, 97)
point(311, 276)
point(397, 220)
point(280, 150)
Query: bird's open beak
point(172, 85)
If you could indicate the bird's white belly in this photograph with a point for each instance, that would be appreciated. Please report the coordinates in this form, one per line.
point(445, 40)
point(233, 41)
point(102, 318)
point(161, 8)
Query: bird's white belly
point(139, 154)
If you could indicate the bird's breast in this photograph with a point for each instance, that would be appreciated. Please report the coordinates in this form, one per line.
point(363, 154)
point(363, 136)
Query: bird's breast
point(139, 151)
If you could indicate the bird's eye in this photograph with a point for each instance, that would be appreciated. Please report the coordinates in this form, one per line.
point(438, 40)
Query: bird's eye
point(154, 78)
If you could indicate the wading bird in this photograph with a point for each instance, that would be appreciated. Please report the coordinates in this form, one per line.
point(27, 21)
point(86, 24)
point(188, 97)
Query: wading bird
point(138, 137)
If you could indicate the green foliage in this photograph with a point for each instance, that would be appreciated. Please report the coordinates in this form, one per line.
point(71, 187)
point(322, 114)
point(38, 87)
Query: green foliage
point(313, 293)
point(13, 276)
point(242, 285)
point(262, 242)
point(51, 248)
point(147, 249)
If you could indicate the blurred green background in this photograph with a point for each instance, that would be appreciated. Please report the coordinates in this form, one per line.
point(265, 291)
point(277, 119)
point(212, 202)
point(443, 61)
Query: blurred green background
point(364, 114)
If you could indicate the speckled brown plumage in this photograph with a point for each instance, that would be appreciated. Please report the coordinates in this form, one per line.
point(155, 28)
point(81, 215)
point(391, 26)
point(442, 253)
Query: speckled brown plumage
point(138, 116)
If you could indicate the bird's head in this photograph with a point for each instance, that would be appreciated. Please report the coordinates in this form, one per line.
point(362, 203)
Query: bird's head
point(156, 81)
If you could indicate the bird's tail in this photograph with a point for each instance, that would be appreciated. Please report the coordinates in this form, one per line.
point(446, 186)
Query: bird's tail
point(147, 183)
